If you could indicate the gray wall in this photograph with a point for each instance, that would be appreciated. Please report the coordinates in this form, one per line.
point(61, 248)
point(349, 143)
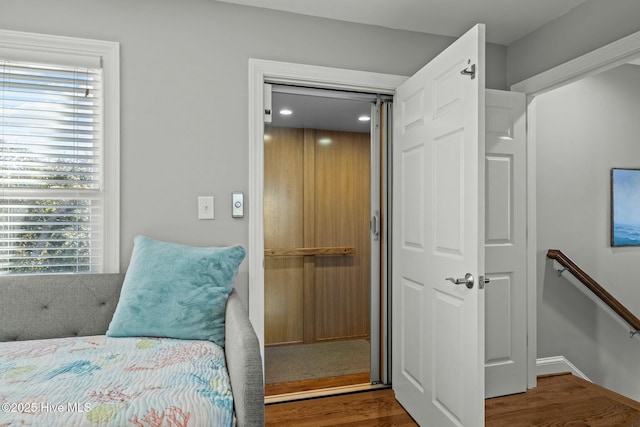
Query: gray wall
point(184, 74)
point(583, 130)
point(587, 27)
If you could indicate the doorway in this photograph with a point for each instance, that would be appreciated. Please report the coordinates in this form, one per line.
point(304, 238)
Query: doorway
point(321, 262)
point(288, 73)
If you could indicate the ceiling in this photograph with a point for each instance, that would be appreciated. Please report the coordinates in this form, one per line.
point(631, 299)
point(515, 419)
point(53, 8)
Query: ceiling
point(506, 20)
point(320, 109)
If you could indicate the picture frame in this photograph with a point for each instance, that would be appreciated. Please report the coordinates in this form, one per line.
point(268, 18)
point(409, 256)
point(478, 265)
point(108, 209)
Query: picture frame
point(625, 207)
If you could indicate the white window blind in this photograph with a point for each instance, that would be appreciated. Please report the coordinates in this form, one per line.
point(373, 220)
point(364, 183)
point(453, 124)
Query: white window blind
point(51, 177)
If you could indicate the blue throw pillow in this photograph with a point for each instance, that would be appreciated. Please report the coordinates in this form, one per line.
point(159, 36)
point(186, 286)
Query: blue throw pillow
point(176, 291)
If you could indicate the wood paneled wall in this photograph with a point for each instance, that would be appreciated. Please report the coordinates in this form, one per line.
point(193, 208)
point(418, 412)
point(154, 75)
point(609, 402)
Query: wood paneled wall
point(283, 227)
point(317, 194)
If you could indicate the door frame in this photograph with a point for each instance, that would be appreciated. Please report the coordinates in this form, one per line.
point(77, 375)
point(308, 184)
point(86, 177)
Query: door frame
point(594, 62)
point(286, 73)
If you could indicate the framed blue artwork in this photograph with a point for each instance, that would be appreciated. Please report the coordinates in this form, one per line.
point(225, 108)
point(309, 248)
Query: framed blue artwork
point(625, 207)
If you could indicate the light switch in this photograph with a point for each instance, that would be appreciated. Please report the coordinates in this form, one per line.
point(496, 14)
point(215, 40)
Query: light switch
point(205, 207)
point(237, 204)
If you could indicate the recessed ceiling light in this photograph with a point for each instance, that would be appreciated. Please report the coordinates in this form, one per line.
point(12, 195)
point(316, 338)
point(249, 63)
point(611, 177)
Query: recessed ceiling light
point(286, 112)
point(364, 118)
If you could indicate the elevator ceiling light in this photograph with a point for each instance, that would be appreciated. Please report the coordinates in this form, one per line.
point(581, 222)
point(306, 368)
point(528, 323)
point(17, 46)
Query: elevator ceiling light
point(286, 112)
point(364, 118)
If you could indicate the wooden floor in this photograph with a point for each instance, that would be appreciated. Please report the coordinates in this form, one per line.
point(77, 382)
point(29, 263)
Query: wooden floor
point(371, 408)
point(558, 400)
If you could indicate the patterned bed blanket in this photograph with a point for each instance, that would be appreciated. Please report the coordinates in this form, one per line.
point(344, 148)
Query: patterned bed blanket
point(105, 381)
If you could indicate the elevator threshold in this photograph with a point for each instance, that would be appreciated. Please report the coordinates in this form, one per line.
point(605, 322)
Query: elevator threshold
point(331, 391)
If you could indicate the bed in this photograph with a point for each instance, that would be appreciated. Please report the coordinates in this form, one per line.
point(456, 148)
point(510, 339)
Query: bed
point(119, 381)
point(65, 361)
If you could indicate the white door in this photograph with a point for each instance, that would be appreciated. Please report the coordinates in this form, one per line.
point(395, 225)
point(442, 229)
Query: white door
point(438, 233)
point(505, 244)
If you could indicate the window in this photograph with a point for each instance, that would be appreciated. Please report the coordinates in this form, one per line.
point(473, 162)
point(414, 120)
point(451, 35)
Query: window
point(59, 150)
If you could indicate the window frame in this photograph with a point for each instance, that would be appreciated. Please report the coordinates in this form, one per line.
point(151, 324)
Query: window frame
point(108, 53)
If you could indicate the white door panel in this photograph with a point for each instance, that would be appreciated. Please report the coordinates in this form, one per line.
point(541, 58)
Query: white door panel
point(438, 327)
point(505, 244)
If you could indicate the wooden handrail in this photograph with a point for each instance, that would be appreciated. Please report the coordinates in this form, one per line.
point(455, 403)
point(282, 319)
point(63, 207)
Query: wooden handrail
point(326, 251)
point(596, 288)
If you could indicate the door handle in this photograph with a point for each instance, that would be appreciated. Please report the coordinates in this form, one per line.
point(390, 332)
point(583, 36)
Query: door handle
point(467, 280)
point(375, 225)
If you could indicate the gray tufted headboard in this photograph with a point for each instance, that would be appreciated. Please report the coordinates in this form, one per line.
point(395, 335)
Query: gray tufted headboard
point(57, 305)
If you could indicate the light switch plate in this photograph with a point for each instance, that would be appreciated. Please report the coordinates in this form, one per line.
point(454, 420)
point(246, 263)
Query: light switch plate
point(205, 207)
point(237, 204)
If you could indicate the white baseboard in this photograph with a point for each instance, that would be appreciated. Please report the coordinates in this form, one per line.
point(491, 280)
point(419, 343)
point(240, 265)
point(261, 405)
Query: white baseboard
point(557, 364)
